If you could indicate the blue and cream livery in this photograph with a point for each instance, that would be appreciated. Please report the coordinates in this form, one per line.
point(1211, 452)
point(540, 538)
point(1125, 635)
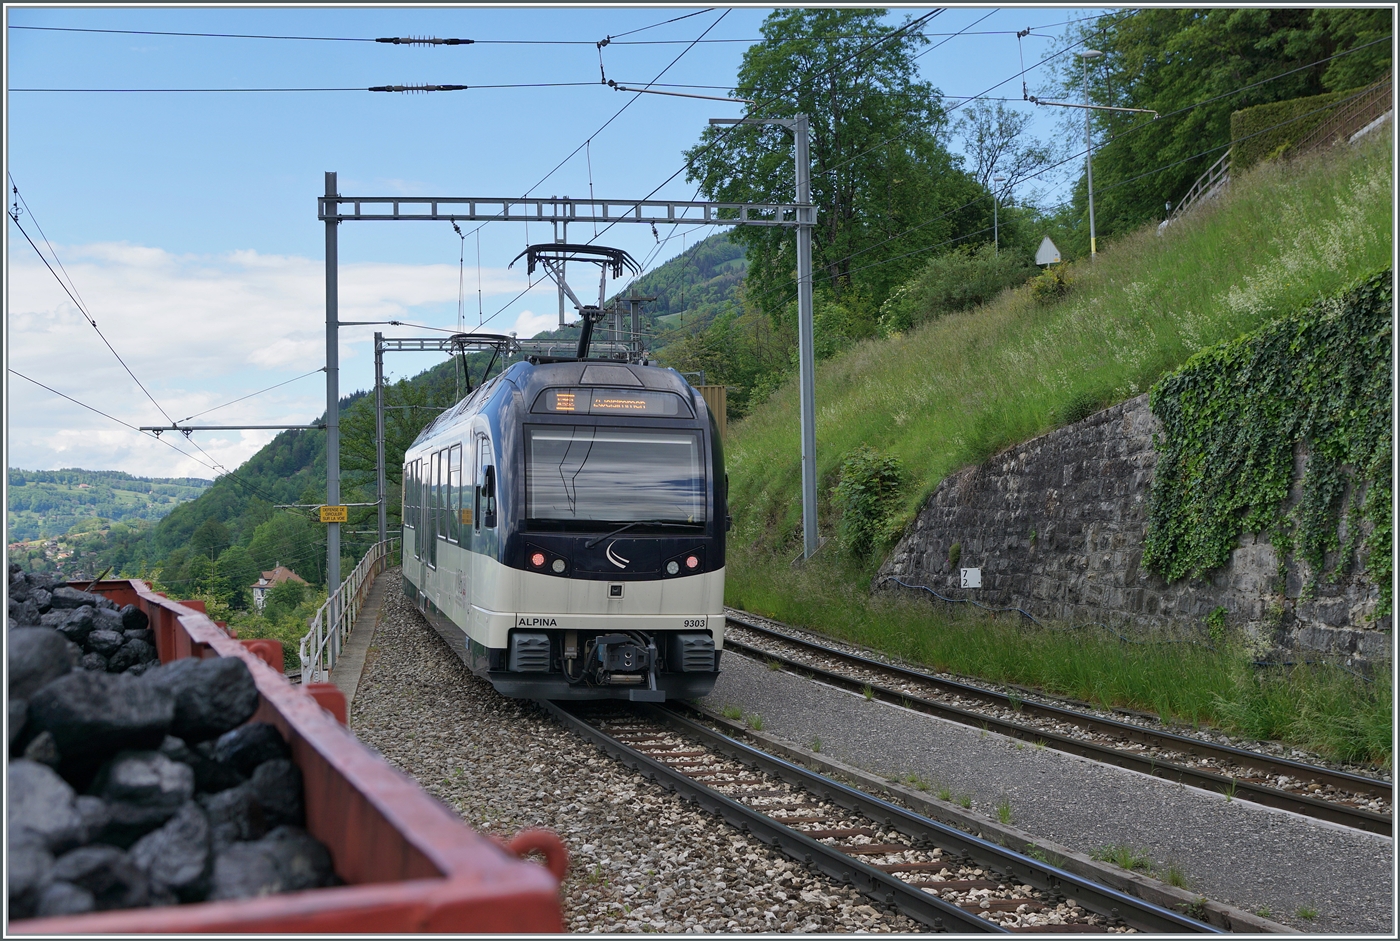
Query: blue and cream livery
point(564, 530)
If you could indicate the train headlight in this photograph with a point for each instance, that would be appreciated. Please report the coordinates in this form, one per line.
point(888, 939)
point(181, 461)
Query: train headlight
point(558, 566)
point(537, 560)
point(691, 562)
point(672, 567)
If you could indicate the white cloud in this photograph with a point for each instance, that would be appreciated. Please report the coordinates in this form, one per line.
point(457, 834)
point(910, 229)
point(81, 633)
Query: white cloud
point(198, 331)
point(529, 323)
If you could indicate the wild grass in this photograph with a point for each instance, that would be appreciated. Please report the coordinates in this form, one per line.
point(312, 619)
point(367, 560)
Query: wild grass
point(957, 390)
point(1124, 857)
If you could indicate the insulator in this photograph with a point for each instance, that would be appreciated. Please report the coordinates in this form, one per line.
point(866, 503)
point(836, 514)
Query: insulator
point(424, 41)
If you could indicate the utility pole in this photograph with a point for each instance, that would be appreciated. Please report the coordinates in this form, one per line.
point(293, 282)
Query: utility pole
point(806, 367)
point(633, 300)
point(1084, 57)
point(379, 434)
point(806, 361)
point(332, 400)
point(996, 227)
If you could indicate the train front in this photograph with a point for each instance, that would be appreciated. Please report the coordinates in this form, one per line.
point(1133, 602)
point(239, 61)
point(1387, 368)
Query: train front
point(619, 537)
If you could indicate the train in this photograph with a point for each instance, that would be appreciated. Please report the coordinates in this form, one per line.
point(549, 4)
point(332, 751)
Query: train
point(564, 531)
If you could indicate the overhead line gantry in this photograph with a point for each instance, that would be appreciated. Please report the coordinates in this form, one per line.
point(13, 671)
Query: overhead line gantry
point(333, 208)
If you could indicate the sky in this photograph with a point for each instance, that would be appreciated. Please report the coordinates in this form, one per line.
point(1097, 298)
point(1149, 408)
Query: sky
point(185, 221)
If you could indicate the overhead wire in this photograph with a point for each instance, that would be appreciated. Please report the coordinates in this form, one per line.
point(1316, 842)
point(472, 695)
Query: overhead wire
point(729, 129)
point(1078, 156)
point(183, 453)
point(251, 394)
point(512, 42)
point(590, 137)
point(14, 217)
point(358, 89)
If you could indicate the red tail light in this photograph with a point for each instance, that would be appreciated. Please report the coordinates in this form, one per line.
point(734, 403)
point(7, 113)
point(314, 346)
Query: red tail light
point(537, 560)
point(691, 562)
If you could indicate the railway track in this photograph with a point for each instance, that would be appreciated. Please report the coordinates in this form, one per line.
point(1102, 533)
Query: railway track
point(942, 877)
point(1339, 797)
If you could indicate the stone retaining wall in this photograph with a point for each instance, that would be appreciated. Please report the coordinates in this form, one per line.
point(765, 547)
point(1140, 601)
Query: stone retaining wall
point(1056, 526)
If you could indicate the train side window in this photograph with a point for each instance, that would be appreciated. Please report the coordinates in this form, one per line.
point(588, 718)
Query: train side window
point(488, 498)
point(454, 494)
point(485, 511)
point(439, 498)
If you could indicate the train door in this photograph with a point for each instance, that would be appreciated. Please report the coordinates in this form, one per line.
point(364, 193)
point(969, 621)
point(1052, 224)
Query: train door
point(434, 527)
point(483, 514)
point(421, 536)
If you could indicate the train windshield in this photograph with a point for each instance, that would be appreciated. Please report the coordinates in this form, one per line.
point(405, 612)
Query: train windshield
point(584, 478)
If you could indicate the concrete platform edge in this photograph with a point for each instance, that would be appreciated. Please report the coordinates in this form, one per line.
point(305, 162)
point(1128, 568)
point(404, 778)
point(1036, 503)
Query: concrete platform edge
point(1219, 914)
point(350, 666)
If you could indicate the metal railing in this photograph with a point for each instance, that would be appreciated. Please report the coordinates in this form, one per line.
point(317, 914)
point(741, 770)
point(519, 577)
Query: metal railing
point(1206, 185)
point(1350, 116)
point(331, 626)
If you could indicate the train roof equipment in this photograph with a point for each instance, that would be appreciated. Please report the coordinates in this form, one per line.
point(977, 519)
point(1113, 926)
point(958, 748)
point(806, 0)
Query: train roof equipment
point(554, 255)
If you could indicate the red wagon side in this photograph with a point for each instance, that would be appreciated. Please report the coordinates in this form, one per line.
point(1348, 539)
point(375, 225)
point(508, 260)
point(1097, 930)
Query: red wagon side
point(410, 864)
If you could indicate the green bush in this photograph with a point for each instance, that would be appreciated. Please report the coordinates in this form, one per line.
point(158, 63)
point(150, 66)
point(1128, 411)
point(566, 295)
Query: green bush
point(959, 280)
point(867, 498)
point(1264, 132)
point(1050, 285)
point(283, 598)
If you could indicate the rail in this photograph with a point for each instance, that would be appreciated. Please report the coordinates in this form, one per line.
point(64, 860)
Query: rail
point(1134, 760)
point(872, 879)
point(331, 626)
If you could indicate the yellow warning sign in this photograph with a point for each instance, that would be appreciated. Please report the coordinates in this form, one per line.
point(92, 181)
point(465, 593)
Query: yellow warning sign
point(335, 514)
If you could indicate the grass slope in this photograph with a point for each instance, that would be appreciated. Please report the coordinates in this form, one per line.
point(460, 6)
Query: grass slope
point(957, 390)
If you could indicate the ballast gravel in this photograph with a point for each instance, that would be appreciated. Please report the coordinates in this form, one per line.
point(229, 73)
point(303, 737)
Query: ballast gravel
point(1312, 876)
point(643, 860)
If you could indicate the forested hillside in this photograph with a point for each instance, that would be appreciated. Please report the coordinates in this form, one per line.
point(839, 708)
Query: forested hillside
point(44, 504)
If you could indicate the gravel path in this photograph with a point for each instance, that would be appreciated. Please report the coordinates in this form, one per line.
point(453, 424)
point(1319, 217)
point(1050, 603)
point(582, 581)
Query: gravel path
point(642, 859)
point(1259, 859)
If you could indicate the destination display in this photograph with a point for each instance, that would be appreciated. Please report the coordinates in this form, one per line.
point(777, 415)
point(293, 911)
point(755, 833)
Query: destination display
point(598, 401)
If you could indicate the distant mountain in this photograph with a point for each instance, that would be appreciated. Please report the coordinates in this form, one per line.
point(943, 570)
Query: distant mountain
point(46, 504)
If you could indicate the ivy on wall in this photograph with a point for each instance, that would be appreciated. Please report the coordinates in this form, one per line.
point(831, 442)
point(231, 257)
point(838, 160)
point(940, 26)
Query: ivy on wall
point(1231, 418)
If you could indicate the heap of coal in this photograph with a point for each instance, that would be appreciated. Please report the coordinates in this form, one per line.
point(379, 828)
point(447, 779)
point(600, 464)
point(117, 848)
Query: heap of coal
point(134, 784)
point(109, 639)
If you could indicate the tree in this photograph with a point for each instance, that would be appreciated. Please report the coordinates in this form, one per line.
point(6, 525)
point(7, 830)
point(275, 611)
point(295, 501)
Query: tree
point(1195, 66)
point(292, 540)
point(236, 572)
point(883, 182)
point(994, 140)
point(211, 538)
point(283, 598)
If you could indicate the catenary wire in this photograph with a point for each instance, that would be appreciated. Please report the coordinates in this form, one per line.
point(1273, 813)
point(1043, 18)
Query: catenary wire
point(251, 394)
point(788, 285)
point(89, 319)
point(590, 137)
point(241, 90)
point(512, 42)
